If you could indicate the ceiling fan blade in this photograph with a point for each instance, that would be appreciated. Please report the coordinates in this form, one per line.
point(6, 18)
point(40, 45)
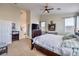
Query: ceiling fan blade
point(43, 11)
point(51, 9)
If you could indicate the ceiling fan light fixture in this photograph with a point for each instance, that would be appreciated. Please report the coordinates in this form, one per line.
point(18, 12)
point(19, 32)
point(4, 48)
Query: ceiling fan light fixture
point(46, 12)
point(46, 9)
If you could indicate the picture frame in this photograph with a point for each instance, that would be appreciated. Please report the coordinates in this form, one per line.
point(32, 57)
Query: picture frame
point(51, 26)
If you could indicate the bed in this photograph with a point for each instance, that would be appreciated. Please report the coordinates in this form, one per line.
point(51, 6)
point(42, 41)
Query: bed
point(54, 45)
point(37, 33)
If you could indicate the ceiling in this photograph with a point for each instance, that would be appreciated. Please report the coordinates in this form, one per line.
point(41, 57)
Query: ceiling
point(37, 8)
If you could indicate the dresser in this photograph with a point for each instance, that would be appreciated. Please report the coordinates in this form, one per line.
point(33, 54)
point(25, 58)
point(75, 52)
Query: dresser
point(15, 35)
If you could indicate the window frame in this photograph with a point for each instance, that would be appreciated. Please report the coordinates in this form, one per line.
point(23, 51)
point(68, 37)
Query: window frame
point(41, 26)
point(71, 25)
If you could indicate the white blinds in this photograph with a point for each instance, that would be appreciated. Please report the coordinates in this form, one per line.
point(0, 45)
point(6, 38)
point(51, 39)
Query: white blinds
point(69, 25)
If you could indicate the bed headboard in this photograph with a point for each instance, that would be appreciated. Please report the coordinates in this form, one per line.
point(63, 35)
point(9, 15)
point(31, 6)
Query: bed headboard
point(36, 32)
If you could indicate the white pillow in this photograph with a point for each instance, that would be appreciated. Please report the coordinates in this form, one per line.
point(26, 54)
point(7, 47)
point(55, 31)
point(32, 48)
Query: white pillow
point(69, 36)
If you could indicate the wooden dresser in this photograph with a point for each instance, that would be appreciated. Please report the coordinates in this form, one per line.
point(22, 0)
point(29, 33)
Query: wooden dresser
point(15, 35)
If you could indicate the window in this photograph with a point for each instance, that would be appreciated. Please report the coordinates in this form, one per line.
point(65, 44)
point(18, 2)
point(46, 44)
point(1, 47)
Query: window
point(69, 25)
point(77, 25)
point(43, 26)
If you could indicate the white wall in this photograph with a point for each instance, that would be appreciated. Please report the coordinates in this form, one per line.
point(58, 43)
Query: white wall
point(9, 12)
point(33, 19)
point(57, 19)
point(24, 23)
point(13, 13)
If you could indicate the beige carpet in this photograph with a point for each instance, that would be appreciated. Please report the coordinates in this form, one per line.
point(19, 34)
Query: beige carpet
point(22, 48)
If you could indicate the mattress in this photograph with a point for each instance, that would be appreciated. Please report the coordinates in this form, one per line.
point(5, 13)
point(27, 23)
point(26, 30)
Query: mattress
point(55, 43)
point(50, 41)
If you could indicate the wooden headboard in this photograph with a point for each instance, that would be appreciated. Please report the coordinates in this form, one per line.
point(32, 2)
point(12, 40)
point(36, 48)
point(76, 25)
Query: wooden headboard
point(36, 32)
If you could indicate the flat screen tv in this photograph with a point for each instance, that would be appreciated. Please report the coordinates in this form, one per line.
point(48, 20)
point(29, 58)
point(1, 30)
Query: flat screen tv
point(35, 26)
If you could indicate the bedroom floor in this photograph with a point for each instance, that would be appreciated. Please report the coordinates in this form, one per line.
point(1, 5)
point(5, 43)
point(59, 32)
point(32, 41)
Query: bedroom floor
point(22, 48)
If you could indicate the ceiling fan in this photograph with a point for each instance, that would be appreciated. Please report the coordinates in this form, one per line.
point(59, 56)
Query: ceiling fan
point(46, 9)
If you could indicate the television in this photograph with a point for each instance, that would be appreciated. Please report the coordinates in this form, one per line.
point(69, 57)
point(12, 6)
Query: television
point(35, 26)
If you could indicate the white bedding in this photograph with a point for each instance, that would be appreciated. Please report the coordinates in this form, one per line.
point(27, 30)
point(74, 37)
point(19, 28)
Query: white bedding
point(49, 41)
point(56, 44)
point(72, 45)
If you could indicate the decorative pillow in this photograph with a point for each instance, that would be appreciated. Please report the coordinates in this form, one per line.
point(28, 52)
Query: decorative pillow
point(77, 37)
point(77, 33)
point(69, 36)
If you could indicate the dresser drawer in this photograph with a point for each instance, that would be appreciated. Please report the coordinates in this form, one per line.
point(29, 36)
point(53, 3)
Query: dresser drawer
point(15, 37)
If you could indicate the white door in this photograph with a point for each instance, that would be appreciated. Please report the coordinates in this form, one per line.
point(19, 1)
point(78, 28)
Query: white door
point(6, 30)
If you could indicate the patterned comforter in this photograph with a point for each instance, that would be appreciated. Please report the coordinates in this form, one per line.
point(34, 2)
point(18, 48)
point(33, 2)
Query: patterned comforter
point(56, 44)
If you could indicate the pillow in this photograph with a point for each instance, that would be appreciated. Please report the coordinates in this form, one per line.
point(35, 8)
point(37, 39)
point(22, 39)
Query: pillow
point(77, 37)
point(77, 33)
point(69, 36)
